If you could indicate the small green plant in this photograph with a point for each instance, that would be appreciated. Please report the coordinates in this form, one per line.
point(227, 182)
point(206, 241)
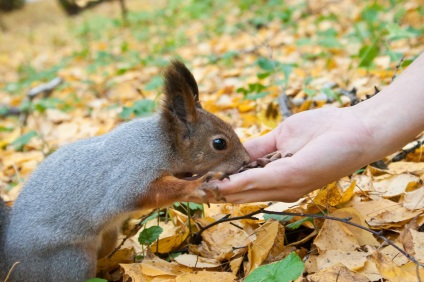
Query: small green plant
point(149, 235)
point(140, 108)
point(286, 270)
point(21, 141)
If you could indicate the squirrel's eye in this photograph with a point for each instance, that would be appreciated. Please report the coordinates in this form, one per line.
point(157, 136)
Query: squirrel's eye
point(219, 144)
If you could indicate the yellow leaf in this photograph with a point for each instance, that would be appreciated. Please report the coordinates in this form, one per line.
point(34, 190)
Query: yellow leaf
point(389, 270)
point(259, 249)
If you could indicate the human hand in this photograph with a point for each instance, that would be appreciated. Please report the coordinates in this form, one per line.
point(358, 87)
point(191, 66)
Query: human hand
point(326, 144)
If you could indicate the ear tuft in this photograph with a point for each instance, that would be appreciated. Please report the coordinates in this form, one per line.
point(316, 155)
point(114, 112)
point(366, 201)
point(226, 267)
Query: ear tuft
point(181, 92)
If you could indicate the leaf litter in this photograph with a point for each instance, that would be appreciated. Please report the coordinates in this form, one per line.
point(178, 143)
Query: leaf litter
point(318, 54)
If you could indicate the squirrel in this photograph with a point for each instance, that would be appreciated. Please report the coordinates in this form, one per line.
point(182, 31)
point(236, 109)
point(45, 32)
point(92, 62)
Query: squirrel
point(70, 209)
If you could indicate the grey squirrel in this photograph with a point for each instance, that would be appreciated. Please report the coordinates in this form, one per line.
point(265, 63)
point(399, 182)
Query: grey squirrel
point(68, 213)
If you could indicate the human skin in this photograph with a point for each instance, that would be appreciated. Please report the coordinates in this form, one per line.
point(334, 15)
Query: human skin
point(330, 143)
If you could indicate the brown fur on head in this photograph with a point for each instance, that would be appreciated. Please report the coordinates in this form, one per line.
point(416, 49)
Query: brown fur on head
point(200, 140)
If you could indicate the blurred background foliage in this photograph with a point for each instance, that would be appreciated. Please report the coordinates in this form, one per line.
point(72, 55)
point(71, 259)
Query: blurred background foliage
point(245, 55)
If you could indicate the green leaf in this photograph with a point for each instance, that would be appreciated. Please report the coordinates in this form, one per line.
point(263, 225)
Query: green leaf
point(297, 224)
point(3, 110)
point(149, 235)
point(6, 129)
point(242, 90)
point(255, 96)
point(21, 141)
point(396, 32)
point(144, 107)
point(266, 64)
point(310, 92)
point(96, 280)
point(152, 216)
point(263, 75)
point(368, 54)
point(126, 112)
point(288, 269)
point(331, 94)
point(154, 84)
point(278, 217)
point(195, 206)
point(140, 108)
point(370, 13)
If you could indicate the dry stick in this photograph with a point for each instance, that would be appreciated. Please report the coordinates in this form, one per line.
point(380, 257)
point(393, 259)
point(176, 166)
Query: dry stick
point(343, 220)
point(397, 67)
point(45, 88)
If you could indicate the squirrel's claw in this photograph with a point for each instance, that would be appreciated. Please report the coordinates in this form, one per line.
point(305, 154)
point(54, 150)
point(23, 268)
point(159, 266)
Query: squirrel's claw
point(214, 191)
point(214, 175)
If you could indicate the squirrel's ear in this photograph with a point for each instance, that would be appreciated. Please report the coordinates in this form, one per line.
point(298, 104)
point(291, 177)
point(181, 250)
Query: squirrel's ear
point(181, 92)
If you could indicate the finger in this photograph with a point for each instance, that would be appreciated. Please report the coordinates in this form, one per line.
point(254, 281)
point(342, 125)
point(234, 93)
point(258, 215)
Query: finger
point(261, 146)
point(275, 174)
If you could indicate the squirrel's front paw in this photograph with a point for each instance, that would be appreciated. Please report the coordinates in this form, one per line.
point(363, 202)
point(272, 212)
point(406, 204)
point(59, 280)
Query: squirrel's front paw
point(207, 187)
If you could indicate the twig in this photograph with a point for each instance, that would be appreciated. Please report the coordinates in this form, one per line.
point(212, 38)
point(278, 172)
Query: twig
point(397, 67)
point(343, 220)
point(45, 88)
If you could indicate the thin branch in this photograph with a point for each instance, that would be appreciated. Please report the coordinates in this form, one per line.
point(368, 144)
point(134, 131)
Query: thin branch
point(397, 67)
point(251, 215)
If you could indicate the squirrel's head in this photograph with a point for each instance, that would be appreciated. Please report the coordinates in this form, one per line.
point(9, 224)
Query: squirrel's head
point(200, 140)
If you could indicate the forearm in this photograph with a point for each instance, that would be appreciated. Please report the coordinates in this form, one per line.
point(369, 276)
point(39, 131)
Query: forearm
point(396, 114)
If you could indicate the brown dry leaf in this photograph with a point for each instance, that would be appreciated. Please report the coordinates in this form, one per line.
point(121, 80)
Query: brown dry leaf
point(171, 240)
point(384, 213)
point(413, 242)
point(311, 265)
point(363, 183)
point(332, 195)
point(389, 270)
point(219, 240)
point(279, 207)
point(174, 232)
point(107, 265)
point(278, 250)
point(335, 236)
point(153, 268)
point(206, 276)
point(215, 210)
point(394, 255)
point(259, 249)
point(394, 185)
point(370, 270)
point(352, 260)
point(364, 237)
point(132, 272)
point(414, 200)
point(195, 261)
point(416, 168)
point(411, 267)
point(235, 265)
point(337, 273)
